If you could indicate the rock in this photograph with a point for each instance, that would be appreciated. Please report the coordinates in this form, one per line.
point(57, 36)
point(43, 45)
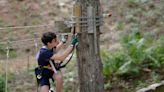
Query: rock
point(157, 87)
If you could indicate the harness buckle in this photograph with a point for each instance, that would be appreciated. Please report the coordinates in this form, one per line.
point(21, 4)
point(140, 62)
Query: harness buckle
point(39, 76)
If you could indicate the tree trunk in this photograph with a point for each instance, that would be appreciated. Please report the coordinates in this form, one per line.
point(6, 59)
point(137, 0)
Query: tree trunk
point(89, 62)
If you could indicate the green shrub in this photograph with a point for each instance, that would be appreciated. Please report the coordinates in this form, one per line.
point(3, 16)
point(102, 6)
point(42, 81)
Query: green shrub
point(155, 53)
point(112, 62)
point(13, 54)
point(139, 51)
point(2, 84)
point(2, 50)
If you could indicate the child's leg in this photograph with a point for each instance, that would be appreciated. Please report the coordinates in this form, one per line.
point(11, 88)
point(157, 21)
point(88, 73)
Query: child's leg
point(44, 88)
point(58, 80)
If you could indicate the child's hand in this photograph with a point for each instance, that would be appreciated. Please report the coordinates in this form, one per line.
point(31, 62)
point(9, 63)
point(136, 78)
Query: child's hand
point(64, 38)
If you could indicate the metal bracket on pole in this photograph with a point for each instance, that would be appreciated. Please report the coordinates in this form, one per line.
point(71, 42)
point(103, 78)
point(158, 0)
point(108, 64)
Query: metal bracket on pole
point(92, 25)
point(90, 20)
point(95, 31)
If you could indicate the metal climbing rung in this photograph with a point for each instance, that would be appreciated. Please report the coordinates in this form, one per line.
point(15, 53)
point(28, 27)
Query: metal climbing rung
point(53, 67)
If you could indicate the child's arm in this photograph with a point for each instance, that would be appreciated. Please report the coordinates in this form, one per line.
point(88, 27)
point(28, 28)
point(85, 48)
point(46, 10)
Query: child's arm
point(63, 40)
point(62, 56)
point(59, 46)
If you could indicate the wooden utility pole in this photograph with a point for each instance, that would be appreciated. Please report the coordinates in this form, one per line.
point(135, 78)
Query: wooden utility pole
point(89, 62)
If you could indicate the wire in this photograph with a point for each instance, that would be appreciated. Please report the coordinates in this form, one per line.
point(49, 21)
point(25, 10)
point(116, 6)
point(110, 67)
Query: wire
point(24, 27)
point(17, 41)
point(25, 40)
point(46, 25)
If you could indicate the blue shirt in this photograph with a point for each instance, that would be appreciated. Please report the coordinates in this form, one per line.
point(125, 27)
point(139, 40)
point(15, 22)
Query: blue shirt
point(44, 55)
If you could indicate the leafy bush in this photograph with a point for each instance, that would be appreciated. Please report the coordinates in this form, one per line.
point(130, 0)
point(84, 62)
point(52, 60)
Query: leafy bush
point(112, 62)
point(155, 53)
point(139, 51)
point(2, 84)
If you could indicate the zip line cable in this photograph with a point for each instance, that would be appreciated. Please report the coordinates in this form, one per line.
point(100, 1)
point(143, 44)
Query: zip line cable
point(68, 23)
point(17, 41)
point(30, 39)
point(48, 25)
point(24, 27)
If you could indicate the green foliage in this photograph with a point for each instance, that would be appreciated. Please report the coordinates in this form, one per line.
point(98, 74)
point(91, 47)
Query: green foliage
point(155, 77)
point(139, 51)
point(2, 84)
point(2, 50)
point(108, 85)
point(120, 25)
point(112, 62)
point(134, 46)
point(155, 53)
point(13, 54)
point(141, 84)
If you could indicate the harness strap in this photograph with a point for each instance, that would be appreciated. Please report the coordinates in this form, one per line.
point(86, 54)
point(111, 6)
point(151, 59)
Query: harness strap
point(62, 66)
point(46, 67)
point(53, 67)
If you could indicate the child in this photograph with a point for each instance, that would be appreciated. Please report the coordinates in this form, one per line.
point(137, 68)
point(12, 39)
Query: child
point(46, 53)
